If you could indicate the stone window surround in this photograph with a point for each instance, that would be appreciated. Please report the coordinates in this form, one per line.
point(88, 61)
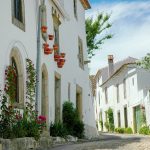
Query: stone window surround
point(17, 57)
point(15, 21)
point(80, 53)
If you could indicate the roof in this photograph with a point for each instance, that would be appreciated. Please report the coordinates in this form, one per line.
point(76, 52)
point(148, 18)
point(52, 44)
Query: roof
point(103, 72)
point(117, 71)
point(86, 4)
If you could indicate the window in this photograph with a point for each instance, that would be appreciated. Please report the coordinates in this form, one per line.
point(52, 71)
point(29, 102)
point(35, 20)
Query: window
point(133, 81)
point(18, 10)
point(18, 13)
point(106, 95)
point(17, 63)
point(117, 87)
point(80, 55)
point(75, 8)
point(99, 97)
point(69, 91)
point(16, 80)
point(124, 87)
point(119, 119)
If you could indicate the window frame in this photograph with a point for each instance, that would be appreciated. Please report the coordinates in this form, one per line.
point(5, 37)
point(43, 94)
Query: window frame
point(20, 24)
point(75, 9)
point(80, 53)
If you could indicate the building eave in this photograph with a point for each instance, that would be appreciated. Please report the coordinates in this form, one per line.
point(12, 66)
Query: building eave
point(61, 9)
point(86, 4)
point(116, 72)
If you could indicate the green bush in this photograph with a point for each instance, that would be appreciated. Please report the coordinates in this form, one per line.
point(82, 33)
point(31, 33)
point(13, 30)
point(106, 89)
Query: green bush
point(58, 129)
point(78, 129)
point(128, 130)
point(144, 130)
point(119, 130)
point(106, 124)
point(72, 121)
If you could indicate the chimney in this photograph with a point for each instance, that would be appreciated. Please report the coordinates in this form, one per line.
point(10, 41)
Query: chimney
point(110, 65)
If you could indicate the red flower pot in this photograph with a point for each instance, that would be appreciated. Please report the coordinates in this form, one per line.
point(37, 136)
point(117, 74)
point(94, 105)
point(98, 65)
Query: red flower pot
point(45, 45)
point(51, 37)
point(48, 51)
point(59, 65)
point(56, 57)
point(44, 29)
point(62, 61)
point(63, 55)
point(55, 46)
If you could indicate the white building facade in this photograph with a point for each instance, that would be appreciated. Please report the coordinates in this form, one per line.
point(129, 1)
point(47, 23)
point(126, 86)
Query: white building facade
point(126, 91)
point(21, 39)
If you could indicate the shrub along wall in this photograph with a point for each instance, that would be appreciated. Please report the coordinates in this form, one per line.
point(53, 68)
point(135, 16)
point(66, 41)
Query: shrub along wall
point(71, 124)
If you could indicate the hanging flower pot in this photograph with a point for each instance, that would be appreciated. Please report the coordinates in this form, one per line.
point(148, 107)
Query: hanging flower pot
point(55, 46)
point(51, 37)
point(45, 45)
point(62, 61)
point(59, 64)
point(47, 51)
point(63, 55)
point(44, 29)
point(56, 57)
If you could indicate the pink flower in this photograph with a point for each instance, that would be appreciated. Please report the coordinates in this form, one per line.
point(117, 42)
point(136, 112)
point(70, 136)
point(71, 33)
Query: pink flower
point(43, 118)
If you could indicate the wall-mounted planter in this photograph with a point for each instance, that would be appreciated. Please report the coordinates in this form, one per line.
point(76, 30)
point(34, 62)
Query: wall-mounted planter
point(51, 37)
point(48, 51)
point(56, 57)
point(62, 61)
point(45, 45)
point(63, 55)
point(59, 64)
point(44, 29)
point(55, 46)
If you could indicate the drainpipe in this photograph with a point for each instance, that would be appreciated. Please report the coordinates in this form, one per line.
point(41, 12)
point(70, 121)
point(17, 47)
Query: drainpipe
point(41, 22)
point(38, 60)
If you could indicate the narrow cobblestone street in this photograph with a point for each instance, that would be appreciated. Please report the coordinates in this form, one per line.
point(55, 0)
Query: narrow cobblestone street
point(111, 142)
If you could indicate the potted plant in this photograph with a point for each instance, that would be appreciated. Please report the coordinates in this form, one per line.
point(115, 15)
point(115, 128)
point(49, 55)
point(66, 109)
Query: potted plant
point(59, 64)
point(55, 46)
point(56, 57)
point(44, 29)
point(51, 37)
point(62, 61)
point(45, 45)
point(63, 55)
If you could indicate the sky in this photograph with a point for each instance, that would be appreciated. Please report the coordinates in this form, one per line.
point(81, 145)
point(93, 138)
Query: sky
point(130, 26)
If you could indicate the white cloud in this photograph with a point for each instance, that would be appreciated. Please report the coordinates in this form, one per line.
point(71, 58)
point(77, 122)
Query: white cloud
point(131, 28)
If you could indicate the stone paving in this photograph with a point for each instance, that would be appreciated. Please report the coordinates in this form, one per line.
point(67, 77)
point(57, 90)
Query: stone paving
point(111, 142)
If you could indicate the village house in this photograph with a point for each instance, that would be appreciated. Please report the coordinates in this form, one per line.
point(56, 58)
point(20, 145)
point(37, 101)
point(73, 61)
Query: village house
point(25, 27)
point(123, 87)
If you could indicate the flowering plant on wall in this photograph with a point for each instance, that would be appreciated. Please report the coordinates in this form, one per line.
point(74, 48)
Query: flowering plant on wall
point(13, 123)
point(10, 83)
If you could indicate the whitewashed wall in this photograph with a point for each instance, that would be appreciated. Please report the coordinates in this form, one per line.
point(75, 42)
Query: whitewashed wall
point(136, 94)
point(11, 36)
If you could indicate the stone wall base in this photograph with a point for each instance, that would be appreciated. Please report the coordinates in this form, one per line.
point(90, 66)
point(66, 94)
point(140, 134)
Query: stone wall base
point(90, 132)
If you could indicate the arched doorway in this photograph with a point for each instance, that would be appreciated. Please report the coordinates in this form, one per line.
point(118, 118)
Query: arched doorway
point(44, 93)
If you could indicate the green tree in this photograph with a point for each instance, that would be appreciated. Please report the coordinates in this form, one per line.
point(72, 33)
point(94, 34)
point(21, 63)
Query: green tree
point(145, 62)
point(95, 32)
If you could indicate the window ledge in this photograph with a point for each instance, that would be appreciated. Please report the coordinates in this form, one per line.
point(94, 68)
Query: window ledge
point(18, 24)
